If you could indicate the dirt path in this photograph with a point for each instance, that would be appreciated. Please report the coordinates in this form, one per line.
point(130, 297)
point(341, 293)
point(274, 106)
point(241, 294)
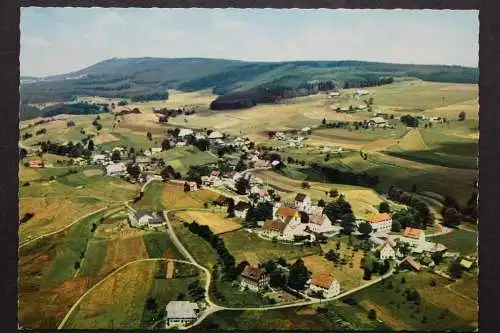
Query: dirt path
point(385, 316)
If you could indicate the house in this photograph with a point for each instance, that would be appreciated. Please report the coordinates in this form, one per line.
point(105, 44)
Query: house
point(98, 158)
point(156, 150)
point(180, 144)
point(147, 152)
point(215, 135)
point(344, 109)
point(413, 236)
point(140, 218)
point(275, 163)
point(36, 164)
point(325, 283)
point(435, 119)
point(190, 186)
point(241, 208)
point(280, 135)
point(306, 130)
point(200, 136)
point(287, 215)
point(254, 278)
point(319, 223)
point(467, 264)
point(380, 222)
point(185, 132)
point(205, 181)
point(387, 250)
point(377, 122)
point(361, 107)
point(156, 221)
point(180, 313)
point(141, 160)
point(273, 228)
point(303, 202)
point(116, 169)
point(79, 161)
point(362, 92)
point(411, 263)
point(333, 94)
point(435, 247)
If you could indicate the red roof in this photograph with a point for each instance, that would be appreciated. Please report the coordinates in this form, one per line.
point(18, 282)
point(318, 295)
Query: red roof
point(412, 262)
point(286, 211)
point(387, 242)
point(377, 218)
point(413, 233)
point(323, 280)
point(274, 225)
point(317, 219)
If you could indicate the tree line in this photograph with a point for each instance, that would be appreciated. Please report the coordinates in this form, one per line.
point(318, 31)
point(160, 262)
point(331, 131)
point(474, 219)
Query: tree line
point(418, 215)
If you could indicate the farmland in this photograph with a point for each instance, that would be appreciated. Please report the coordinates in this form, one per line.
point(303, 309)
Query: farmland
point(174, 197)
point(152, 198)
point(462, 241)
point(217, 223)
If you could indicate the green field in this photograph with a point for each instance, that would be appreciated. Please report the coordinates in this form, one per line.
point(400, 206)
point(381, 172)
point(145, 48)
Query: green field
point(152, 198)
point(181, 158)
point(94, 258)
point(459, 240)
point(158, 243)
point(248, 246)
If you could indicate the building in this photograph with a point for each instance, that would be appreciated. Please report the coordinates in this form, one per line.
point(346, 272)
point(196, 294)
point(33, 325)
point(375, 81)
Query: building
point(185, 132)
point(215, 135)
point(280, 135)
point(467, 264)
point(98, 158)
point(140, 218)
point(273, 228)
point(435, 119)
point(180, 313)
point(36, 164)
point(306, 130)
point(325, 283)
point(190, 186)
point(254, 278)
point(320, 223)
point(287, 215)
point(333, 94)
point(141, 160)
point(387, 250)
point(180, 144)
point(116, 169)
point(361, 107)
point(156, 221)
point(413, 236)
point(409, 262)
point(241, 209)
point(156, 150)
point(378, 122)
point(380, 222)
point(362, 92)
point(303, 202)
point(200, 136)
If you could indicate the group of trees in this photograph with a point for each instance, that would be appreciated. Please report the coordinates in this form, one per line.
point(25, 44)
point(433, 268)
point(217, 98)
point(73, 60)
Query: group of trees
point(409, 120)
point(368, 81)
point(217, 243)
point(340, 209)
point(125, 111)
point(333, 175)
point(168, 172)
point(156, 96)
point(70, 149)
point(41, 131)
point(418, 215)
point(75, 108)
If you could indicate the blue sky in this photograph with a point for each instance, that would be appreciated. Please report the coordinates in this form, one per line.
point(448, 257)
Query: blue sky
point(61, 40)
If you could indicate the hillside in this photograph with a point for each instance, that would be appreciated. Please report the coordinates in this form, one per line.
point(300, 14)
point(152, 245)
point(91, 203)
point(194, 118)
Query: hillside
point(149, 78)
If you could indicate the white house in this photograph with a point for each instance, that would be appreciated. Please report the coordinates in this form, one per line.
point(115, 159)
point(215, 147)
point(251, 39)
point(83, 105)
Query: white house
point(156, 150)
point(116, 169)
point(333, 94)
point(273, 228)
point(377, 122)
point(254, 278)
point(98, 158)
point(185, 132)
point(286, 215)
point(362, 92)
point(413, 236)
point(325, 283)
point(387, 250)
point(180, 313)
point(380, 222)
point(275, 163)
point(306, 129)
point(140, 218)
point(303, 202)
point(215, 135)
point(241, 208)
point(435, 119)
point(320, 223)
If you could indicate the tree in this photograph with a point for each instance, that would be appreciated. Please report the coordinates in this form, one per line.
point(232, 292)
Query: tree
point(334, 193)
point(414, 188)
point(165, 144)
point(437, 257)
point(372, 314)
point(70, 123)
point(384, 207)
point(150, 136)
point(348, 223)
point(240, 166)
point(365, 228)
point(396, 226)
point(304, 218)
point(242, 185)
point(134, 170)
point(22, 153)
point(90, 145)
point(298, 275)
point(305, 185)
point(321, 203)
point(230, 208)
point(461, 116)
point(151, 304)
point(116, 156)
point(451, 217)
point(455, 270)
point(323, 121)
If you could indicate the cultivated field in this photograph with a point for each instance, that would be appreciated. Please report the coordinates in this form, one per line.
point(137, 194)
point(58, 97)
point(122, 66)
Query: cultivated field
point(174, 197)
point(216, 222)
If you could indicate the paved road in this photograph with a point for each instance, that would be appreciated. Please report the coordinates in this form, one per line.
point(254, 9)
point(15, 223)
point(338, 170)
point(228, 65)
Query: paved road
point(65, 227)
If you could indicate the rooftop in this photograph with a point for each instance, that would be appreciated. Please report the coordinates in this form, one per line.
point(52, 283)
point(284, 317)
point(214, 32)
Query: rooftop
point(377, 218)
point(413, 233)
point(286, 211)
point(274, 225)
point(323, 280)
point(252, 273)
point(181, 309)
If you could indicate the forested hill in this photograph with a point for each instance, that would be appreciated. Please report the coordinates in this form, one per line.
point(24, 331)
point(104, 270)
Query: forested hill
point(149, 78)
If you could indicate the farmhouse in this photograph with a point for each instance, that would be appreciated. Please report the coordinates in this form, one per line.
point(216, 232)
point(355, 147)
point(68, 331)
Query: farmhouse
point(326, 284)
point(303, 202)
point(116, 169)
point(180, 313)
point(215, 135)
point(241, 208)
point(254, 278)
point(140, 218)
point(287, 215)
point(273, 228)
point(377, 122)
point(409, 262)
point(413, 236)
point(320, 223)
point(381, 223)
point(36, 164)
point(185, 132)
point(387, 250)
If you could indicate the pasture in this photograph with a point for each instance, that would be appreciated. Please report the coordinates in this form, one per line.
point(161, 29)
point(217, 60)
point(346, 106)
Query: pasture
point(459, 240)
point(248, 246)
point(118, 302)
point(152, 198)
point(181, 158)
point(215, 222)
point(174, 197)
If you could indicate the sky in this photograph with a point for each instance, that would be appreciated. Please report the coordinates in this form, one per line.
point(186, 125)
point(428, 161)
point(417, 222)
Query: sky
point(62, 40)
